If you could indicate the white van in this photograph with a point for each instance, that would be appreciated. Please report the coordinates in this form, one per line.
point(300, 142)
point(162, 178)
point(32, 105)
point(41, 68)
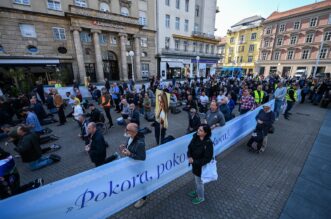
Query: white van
point(300, 73)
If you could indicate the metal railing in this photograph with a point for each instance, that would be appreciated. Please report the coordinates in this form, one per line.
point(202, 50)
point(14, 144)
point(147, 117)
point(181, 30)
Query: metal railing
point(204, 35)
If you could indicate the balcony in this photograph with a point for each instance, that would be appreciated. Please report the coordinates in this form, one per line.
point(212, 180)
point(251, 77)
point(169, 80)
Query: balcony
point(187, 53)
point(203, 35)
point(95, 14)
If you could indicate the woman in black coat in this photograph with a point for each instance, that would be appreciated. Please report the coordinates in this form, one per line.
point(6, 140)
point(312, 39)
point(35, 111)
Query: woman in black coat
point(200, 152)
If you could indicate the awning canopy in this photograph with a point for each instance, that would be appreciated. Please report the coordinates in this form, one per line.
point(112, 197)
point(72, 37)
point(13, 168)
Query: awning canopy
point(175, 65)
point(28, 61)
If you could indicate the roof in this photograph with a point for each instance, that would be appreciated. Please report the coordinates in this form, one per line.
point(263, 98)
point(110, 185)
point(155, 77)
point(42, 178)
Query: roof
point(222, 41)
point(297, 11)
point(248, 20)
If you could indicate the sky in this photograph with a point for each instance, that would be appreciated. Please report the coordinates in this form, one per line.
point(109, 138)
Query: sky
point(232, 11)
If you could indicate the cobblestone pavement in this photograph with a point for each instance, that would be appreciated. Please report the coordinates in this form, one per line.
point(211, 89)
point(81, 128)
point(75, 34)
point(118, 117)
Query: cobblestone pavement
point(250, 185)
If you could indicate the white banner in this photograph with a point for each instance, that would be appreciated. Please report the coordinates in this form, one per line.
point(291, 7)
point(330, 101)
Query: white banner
point(103, 191)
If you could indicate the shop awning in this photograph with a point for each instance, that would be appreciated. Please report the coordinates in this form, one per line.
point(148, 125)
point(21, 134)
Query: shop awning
point(28, 61)
point(175, 65)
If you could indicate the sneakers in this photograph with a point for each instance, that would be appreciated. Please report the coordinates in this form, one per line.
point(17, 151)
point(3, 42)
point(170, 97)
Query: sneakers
point(139, 203)
point(192, 194)
point(197, 200)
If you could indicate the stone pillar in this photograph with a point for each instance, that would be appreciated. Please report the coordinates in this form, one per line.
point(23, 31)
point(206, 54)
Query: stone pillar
point(124, 64)
point(79, 53)
point(137, 54)
point(98, 56)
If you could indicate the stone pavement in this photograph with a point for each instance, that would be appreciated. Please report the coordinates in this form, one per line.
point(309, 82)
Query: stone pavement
point(312, 191)
point(251, 185)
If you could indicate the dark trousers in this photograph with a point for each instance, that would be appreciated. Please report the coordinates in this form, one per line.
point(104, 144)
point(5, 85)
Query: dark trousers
point(259, 143)
point(303, 97)
point(243, 111)
point(62, 116)
point(99, 163)
point(107, 111)
point(117, 102)
point(159, 130)
point(288, 108)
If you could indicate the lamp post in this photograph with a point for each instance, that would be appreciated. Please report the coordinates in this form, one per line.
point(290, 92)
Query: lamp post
point(131, 54)
point(198, 70)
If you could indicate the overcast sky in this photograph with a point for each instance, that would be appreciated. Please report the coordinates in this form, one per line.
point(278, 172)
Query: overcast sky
point(232, 11)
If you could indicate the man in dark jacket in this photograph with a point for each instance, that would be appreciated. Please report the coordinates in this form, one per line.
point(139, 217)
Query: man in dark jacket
point(190, 103)
point(225, 109)
point(265, 118)
point(97, 146)
point(135, 148)
point(95, 114)
point(194, 121)
point(134, 114)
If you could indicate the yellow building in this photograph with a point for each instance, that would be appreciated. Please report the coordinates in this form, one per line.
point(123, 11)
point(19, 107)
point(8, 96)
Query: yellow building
point(243, 44)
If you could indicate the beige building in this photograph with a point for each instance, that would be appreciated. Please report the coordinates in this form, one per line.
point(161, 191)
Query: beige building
point(74, 39)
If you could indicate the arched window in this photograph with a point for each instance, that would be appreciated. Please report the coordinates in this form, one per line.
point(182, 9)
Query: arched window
point(124, 11)
point(104, 7)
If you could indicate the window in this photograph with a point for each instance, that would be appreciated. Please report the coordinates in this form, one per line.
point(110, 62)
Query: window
point(264, 56)
point(102, 38)
point(201, 48)
point(207, 49)
point(167, 2)
point(85, 37)
point(327, 36)
point(290, 54)
point(196, 27)
point(230, 50)
point(185, 46)
point(293, 40)
point(59, 33)
point(313, 22)
point(241, 59)
point(251, 48)
point(104, 7)
point(266, 43)
point(229, 60)
point(194, 47)
point(187, 5)
point(232, 40)
point(186, 26)
point(167, 42)
point(145, 69)
point(250, 59)
point(309, 37)
point(253, 36)
point(197, 10)
point(242, 39)
point(241, 49)
point(177, 44)
point(323, 53)
point(268, 31)
point(305, 54)
point(81, 3)
point(142, 18)
point(144, 54)
point(54, 5)
point(28, 30)
point(276, 55)
point(32, 49)
point(279, 41)
point(125, 11)
point(143, 42)
point(167, 21)
point(22, 2)
point(296, 25)
point(113, 40)
point(212, 49)
point(177, 4)
point(177, 23)
point(282, 28)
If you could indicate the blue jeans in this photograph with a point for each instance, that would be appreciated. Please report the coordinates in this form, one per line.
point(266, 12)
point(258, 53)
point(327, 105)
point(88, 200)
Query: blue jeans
point(278, 106)
point(41, 162)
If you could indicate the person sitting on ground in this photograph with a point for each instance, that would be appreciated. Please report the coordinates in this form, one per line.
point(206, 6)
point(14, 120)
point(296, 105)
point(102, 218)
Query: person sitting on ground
point(31, 120)
point(78, 110)
point(147, 105)
point(194, 121)
point(95, 114)
point(204, 100)
point(214, 117)
point(125, 109)
point(190, 103)
point(224, 108)
point(38, 109)
point(84, 135)
point(257, 138)
point(30, 150)
point(134, 115)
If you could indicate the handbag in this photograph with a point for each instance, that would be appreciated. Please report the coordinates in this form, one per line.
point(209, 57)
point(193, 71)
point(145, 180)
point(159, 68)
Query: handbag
point(209, 172)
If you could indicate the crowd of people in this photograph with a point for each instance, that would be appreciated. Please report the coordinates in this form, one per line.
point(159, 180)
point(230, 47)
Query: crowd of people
point(209, 103)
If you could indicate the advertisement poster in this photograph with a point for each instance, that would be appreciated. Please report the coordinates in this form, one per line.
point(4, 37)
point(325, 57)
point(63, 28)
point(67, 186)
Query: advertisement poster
point(162, 103)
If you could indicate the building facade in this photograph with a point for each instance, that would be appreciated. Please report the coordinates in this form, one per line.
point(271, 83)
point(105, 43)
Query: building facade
point(185, 37)
point(297, 40)
point(78, 38)
point(221, 51)
point(243, 44)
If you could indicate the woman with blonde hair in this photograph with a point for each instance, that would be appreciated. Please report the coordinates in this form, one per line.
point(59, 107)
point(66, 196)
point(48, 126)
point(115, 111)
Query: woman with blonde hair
point(161, 120)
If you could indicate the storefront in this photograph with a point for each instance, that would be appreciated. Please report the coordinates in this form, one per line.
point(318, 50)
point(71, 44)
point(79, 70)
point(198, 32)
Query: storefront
point(204, 65)
point(171, 67)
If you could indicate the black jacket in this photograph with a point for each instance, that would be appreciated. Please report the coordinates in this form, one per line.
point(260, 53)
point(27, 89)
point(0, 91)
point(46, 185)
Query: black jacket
point(95, 116)
point(137, 147)
point(267, 118)
point(194, 122)
point(98, 147)
point(201, 152)
point(192, 104)
point(29, 147)
point(135, 116)
point(224, 108)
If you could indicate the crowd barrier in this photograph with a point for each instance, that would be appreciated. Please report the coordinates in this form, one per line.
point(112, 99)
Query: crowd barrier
point(103, 191)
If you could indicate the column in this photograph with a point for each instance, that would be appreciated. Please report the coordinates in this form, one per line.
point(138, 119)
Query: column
point(79, 53)
point(124, 75)
point(98, 56)
point(137, 54)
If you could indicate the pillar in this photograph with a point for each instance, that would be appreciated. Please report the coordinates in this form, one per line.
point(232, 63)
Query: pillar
point(98, 56)
point(79, 53)
point(137, 54)
point(124, 64)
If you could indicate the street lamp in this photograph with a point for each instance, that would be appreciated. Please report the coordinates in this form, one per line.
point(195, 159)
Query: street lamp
point(198, 70)
point(131, 54)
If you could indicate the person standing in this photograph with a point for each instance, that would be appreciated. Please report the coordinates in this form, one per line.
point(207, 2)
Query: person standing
point(105, 103)
point(116, 97)
point(259, 95)
point(97, 146)
point(279, 94)
point(291, 98)
point(200, 152)
point(107, 84)
point(214, 117)
point(135, 149)
point(59, 104)
point(134, 115)
point(247, 102)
